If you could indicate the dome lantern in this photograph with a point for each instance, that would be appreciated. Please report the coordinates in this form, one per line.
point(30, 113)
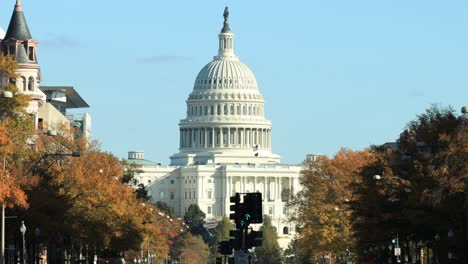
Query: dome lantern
point(226, 40)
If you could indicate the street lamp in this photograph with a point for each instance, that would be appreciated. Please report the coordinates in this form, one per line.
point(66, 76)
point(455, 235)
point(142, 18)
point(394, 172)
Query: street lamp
point(23, 231)
point(7, 94)
point(37, 233)
point(464, 111)
point(378, 178)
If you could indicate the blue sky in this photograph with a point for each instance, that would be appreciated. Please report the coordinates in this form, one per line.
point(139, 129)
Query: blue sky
point(333, 73)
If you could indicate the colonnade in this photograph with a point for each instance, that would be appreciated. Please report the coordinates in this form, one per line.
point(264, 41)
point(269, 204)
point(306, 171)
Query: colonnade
point(225, 137)
point(224, 109)
point(270, 187)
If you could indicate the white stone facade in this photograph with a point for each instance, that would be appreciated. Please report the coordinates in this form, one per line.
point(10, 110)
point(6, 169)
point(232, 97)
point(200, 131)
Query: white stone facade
point(225, 147)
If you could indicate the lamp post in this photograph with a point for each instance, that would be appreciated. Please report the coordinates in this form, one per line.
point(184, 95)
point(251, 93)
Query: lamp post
point(23, 231)
point(7, 95)
point(464, 111)
point(37, 233)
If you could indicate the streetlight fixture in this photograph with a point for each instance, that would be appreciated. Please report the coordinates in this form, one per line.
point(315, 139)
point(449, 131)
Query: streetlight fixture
point(23, 231)
point(7, 94)
point(378, 178)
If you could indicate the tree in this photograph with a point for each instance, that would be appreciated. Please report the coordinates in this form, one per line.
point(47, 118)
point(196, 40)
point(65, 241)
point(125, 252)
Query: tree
point(164, 207)
point(15, 129)
point(221, 234)
point(195, 251)
point(421, 195)
point(195, 218)
point(321, 209)
point(131, 170)
point(270, 251)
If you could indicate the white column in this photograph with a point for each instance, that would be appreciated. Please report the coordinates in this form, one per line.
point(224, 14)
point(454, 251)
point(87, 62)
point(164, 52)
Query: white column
point(221, 137)
point(269, 138)
point(264, 139)
point(255, 185)
point(212, 137)
point(280, 187)
point(206, 137)
point(229, 137)
point(236, 138)
point(242, 137)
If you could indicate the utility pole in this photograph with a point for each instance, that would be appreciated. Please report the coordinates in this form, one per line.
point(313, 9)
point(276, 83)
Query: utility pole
point(2, 260)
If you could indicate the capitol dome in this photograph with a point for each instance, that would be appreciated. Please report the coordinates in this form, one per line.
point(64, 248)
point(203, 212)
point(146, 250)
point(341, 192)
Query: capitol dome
point(225, 74)
point(225, 120)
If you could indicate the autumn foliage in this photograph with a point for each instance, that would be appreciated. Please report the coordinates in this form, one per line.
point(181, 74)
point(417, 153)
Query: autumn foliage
point(321, 209)
point(79, 204)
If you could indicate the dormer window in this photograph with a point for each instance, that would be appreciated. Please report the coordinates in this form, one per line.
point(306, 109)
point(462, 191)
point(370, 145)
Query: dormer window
point(31, 53)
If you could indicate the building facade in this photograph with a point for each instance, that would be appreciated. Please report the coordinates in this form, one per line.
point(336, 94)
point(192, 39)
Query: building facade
point(49, 104)
point(225, 146)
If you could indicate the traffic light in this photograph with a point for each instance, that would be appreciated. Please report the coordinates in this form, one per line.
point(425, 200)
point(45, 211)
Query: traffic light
point(235, 208)
point(394, 241)
point(240, 220)
point(224, 248)
point(253, 208)
point(236, 242)
point(254, 239)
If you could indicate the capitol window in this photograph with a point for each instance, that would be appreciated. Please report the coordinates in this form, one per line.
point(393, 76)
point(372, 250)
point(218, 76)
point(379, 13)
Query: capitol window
point(172, 181)
point(209, 210)
point(270, 210)
point(209, 194)
point(172, 195)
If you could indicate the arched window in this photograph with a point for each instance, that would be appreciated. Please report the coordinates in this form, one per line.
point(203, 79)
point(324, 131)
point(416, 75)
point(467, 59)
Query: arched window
point(226, 110)
point(232, 109)
point(31, 84)
point(285, 230)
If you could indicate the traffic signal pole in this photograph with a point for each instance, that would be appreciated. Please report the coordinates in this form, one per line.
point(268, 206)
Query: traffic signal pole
point(247, 212)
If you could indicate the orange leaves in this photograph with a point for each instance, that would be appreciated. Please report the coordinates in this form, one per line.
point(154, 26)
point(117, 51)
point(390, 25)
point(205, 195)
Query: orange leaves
point(322, 207)
point(10, 193)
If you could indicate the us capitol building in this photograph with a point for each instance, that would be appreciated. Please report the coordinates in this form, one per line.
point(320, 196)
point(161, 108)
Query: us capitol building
point(225, 147)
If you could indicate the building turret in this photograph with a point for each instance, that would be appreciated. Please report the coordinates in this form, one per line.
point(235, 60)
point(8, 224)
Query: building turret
point(19, 43)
